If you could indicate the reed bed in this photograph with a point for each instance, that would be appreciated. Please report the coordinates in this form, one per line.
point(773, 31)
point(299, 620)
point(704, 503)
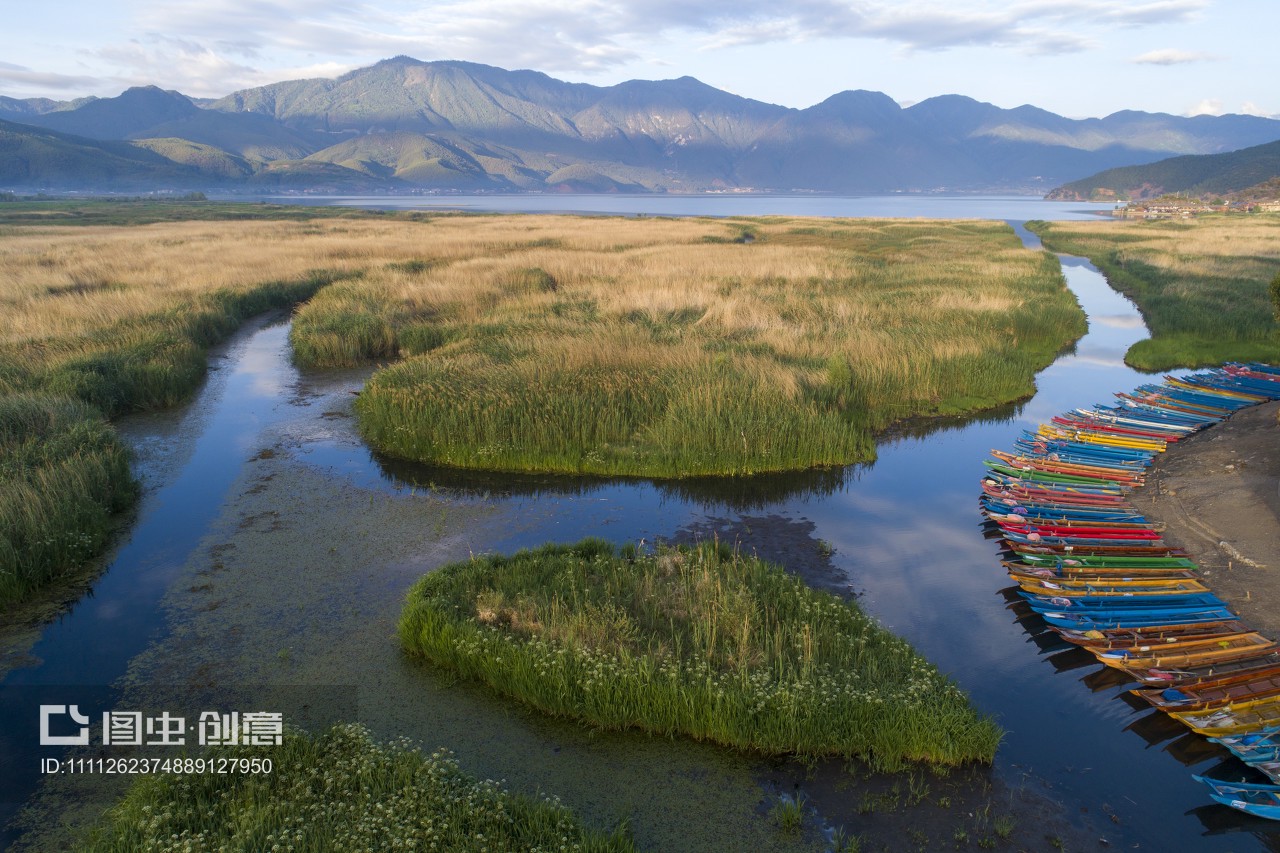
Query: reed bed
point(63, 473)
point(674, 349)
point(700, 642)
point(339, 790)
point(1201, 284)
point(106, 320)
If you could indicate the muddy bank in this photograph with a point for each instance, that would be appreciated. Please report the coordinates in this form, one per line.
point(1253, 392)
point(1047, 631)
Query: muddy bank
point(1218, 495)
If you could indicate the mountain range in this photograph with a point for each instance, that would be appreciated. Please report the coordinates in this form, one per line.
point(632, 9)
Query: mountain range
point(405, 124)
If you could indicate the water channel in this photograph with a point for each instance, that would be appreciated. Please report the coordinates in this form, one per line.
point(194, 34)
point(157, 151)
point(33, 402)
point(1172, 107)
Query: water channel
point(272, 549)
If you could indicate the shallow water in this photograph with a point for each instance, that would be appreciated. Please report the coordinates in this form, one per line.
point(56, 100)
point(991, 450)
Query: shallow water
point(273, 548)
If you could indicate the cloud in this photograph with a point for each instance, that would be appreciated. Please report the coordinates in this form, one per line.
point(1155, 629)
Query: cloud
point(215, 46)
point(20, 77)
point(1208, 106)
point(591, 35)
point(1173, 56)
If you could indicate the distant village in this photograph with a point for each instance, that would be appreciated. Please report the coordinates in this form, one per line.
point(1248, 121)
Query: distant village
point(1262, 198)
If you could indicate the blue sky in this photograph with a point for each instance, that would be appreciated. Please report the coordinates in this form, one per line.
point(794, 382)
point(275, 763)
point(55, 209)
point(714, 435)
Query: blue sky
point(1074, 57)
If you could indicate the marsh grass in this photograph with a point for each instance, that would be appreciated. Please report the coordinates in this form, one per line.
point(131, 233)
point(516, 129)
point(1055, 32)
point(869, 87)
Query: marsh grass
point(699, 642)
point(339, 791)
point(676, 349)
point(106, 320)
point(63, 473)
point(1201, 284)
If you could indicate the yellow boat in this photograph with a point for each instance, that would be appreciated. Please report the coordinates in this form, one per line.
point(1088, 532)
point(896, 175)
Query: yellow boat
point(1087, 437)
point(1108, 588)
point(1186, 654)
point(1234, 719)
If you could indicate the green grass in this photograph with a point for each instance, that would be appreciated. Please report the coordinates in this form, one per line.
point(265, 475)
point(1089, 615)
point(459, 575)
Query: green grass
point(64, 472)
point(700, 642)
point(721, 358)
point(339, 791)
point(1201, 285)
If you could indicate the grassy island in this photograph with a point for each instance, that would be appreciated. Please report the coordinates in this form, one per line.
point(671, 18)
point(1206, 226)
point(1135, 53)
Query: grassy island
point(700, 642)
point(680, 348)
point(338, 791)
point(1201, 284)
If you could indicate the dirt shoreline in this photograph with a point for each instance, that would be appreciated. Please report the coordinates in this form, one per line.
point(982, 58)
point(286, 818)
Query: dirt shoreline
point(1218, 495)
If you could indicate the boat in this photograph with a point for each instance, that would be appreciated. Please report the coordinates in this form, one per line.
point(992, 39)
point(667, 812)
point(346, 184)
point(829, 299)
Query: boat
point(1255, 798)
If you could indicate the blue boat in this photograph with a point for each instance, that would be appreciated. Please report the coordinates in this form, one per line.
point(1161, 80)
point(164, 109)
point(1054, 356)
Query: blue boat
point(1255, 798)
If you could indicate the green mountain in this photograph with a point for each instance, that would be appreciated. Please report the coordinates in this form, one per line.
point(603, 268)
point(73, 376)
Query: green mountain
point(1209, 174)
point(404, 123)
point(38, 158)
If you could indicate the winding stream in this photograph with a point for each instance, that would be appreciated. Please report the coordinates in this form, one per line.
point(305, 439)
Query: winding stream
point(272, 548)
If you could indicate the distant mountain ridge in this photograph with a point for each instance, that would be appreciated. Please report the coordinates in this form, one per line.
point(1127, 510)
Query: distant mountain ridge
point(407, 124)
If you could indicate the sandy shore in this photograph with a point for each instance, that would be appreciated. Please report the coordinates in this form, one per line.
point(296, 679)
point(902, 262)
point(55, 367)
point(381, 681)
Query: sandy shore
point(1218, 493)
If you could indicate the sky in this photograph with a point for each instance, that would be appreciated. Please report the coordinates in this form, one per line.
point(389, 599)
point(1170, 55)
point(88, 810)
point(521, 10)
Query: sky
point(1078, 58)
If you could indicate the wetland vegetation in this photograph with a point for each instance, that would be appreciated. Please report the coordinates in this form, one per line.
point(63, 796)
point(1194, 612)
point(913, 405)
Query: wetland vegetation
point(339, 790)
point(602, 345)
point(680, 348)
point(1201, 284)
point(702, 642)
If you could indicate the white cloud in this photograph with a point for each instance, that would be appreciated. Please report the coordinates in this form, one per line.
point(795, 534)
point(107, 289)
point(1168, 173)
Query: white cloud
point(1208, 106)
point(1173, 56)
point(590, 36)
point(21, 78)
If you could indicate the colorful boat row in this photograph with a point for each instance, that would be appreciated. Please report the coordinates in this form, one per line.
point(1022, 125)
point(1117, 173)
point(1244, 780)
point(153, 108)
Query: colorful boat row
point(1103, 578)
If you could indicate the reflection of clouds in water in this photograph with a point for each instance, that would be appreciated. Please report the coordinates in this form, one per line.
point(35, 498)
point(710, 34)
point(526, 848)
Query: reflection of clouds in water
point(1118, 321)
point(1100, 357)
point(262, 369)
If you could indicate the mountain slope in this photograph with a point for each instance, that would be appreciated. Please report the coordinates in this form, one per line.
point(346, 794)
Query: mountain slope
point(1214, 174)
point(36, 157)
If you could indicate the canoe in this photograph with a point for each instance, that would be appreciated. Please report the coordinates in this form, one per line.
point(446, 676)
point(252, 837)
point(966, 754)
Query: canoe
point(1251, 797)
point(1116, 589)
point(1214, 692)
point(1154, 635)
point(1255, 661)
point(1191, 651)
point(1076, 562)
point(1102, 620)
point(1236, 719)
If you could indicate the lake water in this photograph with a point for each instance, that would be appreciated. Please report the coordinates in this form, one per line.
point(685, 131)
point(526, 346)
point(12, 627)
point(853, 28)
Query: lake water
point(906, 533)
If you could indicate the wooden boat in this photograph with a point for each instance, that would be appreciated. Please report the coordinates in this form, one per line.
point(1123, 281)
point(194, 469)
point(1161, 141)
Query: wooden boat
point(1200, 653)
point(1255, 661)
point(1152, 636)
point(1106, 578)
point(1232, 720)
point(1001, 519)
point(1103, 620)
point(1095, 550)
point(1115, 588)
point(1080, 562)
point(1054, 466)
point(1252, 798)
point(1255, 746)
point(1213, 692)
